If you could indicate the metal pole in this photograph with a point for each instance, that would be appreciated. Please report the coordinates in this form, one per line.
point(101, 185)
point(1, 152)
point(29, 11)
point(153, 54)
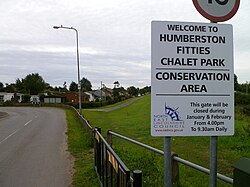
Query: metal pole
point(78, 70)
point(78, 63)
point(213, 158)
point(101, 93)
point(167, 162)
point(213, 161)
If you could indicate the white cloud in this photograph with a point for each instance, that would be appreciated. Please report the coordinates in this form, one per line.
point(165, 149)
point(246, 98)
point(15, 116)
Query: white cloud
point(114, 38)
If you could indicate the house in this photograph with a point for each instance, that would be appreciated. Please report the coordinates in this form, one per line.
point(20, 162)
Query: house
point(100, 95)
point(73, 97)
point(91, 96)
point(108, 92)
point(16, 97)
point(54, 99)
point(34, 99)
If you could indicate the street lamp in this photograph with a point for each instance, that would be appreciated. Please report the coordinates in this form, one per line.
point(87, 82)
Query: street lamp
point(78, 69)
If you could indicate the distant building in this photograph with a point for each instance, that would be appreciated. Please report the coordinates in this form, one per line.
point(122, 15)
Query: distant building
point(91, 96)
point(100, 95)
point(54, 99)
point(34, 99)
point(73, 97)
point(16, 97)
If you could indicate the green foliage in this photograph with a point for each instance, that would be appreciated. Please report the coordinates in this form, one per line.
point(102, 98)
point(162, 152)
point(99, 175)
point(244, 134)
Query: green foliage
point(146, 161)
point(73, 87)
point(132, 91)
point(86, 85)
point(34, 84)
point(26, 98)
point(242, 99)
point(1, 87)
point(19, 85)
point(8, 103)
point(236, 84)
point(134, 122)
point(79, 147)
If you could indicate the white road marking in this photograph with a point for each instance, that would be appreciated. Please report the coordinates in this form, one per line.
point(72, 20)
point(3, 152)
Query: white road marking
point(15, 132)
point(9, 136)
point(27, 123)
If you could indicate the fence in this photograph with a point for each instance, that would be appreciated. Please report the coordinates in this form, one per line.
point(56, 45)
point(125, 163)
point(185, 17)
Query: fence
point(175, 159)
point(109, 167)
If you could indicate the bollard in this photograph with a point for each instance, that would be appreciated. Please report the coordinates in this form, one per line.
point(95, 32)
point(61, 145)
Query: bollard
point(137, 176)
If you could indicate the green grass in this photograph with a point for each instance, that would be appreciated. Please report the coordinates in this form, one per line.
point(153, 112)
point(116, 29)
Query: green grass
point(79, 146)
point(134, 121)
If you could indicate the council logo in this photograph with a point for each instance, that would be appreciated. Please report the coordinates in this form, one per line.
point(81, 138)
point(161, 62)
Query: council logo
point(172, 113)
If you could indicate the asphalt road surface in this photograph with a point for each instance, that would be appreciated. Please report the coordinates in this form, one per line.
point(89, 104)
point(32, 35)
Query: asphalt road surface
point(33, 148)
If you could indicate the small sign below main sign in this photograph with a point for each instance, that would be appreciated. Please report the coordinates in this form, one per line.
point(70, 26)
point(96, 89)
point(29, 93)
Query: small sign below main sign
point(217, 10)
point(192, 79)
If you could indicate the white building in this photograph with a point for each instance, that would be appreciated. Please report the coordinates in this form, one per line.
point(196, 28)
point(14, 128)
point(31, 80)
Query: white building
point(34, 99)
point(4, 96)
point(91, 96)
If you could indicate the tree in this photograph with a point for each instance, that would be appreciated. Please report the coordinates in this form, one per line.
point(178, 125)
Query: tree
point(10, 88)
point(34, 84)
point(73, 87)
point(86, 85)
point(19, 85)
point(1, 87)
point(132, 91)
point(236, 84)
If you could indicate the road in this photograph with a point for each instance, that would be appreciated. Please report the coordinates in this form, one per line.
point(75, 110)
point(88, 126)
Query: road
point(33, 148)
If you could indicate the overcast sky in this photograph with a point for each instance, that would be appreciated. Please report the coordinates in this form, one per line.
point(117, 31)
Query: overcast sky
point(114, 39)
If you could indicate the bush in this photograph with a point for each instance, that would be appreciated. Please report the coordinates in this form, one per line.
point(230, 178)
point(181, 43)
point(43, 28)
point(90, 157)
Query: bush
point(241, 99)
point(25, 98)
point(8, 103)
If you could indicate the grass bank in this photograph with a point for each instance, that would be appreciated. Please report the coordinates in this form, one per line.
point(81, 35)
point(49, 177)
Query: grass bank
point(80, 148)
point(134, 121)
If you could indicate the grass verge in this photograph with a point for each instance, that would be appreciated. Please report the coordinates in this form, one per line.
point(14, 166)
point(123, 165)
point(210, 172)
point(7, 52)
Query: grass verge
point(79, 146)
point(134, 121)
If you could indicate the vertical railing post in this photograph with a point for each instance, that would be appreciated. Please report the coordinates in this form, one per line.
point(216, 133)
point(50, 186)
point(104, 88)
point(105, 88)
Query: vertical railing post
point(98, 152)
point(137, 177)
point(175, 170)
point(128, 184)
point(109, 138)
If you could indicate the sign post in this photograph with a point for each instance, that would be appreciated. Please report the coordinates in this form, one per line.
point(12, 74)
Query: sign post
point(216, 11)
point(192, 80)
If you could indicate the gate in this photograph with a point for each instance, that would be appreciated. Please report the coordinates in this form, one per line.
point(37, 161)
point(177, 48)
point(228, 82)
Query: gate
point(110, 169)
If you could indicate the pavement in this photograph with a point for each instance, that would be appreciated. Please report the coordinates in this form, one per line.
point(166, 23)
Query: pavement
point(130, 101)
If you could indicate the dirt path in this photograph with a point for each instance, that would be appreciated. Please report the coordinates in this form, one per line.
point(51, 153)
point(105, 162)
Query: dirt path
point(116, 107)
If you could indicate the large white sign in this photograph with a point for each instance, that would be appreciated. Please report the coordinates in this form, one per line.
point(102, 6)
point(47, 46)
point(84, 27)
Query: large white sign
point(192, 79)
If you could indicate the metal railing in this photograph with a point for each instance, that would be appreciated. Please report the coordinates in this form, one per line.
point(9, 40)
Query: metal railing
point(174, 157)
point(110, 169)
